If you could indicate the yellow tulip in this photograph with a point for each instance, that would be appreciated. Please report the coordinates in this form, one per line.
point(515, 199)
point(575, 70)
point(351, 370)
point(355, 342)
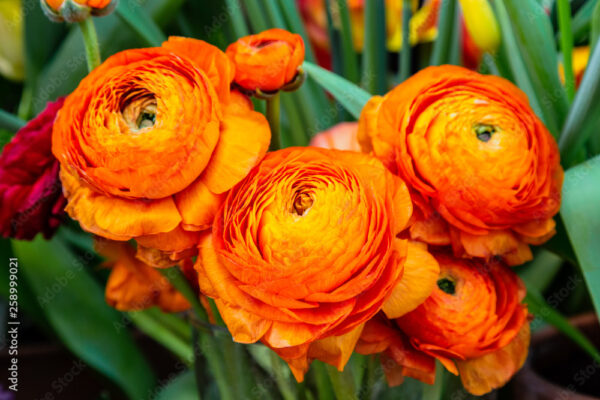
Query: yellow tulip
point(481, 24)
point(11, 45)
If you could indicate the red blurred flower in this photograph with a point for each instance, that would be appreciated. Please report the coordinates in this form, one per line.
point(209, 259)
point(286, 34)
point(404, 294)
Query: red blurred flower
point(31, 198)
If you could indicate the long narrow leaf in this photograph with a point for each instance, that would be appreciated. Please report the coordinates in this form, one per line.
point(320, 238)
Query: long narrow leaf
point(10, 122)
point(566, 45)
point(374, 49)
point(584, 115)
point(442, 45)
point(595, 25)
point(352, 97)
point(75, 307)
point(581, 214)
point(534, 36)
point(538, 307)
point(136, 18)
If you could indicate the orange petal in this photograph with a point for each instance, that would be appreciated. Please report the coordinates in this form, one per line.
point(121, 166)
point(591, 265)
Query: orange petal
point(243, 142)
point(172, 242)
point(336, 350)
point(210, 59)
point(496, 243)
point(243, 326)
point(198, 205)
point(491, 371)
point(433, 230)
point(536, 232)
point(421, 272)
point(115, 218)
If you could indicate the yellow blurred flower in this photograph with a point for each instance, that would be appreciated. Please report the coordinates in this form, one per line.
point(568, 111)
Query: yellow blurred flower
point(581, 56)
point(481, 24)
point(11, 45)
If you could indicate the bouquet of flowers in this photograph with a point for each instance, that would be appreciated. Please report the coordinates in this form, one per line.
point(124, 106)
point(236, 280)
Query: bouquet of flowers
point(302, 200)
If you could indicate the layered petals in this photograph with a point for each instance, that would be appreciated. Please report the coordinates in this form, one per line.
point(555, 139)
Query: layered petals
point(31, 199)
point(149, 142)
point(473, 323)
point(484, 171)
point(134, 285)
point(268, 60)
point(304, 251)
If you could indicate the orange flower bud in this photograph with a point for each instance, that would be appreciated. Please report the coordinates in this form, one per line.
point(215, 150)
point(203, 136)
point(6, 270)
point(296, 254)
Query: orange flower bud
point(343, 136)
point(134, 285)
point(150, 142)
point(305, 250)
point(484, 170)
point(268, 60)
point(473, 323)
point(76, 10)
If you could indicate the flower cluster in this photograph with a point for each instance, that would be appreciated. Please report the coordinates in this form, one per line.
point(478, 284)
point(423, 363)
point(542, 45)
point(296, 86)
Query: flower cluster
point(390, 236)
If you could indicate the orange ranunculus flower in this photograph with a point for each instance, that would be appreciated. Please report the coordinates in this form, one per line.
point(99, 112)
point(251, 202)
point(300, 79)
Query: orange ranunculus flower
point(150, 142)
point(473, 323)
point(484, 171)
point(134, 285)
point(76, 10)
point(343, 136)
point(305, 250)
point(268, 60)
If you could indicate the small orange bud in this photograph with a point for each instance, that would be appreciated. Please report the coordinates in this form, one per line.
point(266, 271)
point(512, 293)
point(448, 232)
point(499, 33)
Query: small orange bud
point(76, 10)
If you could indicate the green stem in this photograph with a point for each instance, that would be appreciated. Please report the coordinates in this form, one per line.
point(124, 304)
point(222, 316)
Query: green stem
point(566, 46)
point(404, 72)
point(90, 39)
point(179, 282)
point(273, 110)
point(10, 122)
point(150, 322)
point(342, 382)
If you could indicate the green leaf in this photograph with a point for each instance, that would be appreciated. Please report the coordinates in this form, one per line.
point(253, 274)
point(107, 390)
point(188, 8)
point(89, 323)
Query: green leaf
point(538, 307)
point(404, 71)
point(42, 38)
point(182, 387)
point(10, 122)
point(581, 214)
point(595, 25)
point(374, 75)
point(153, 323)
point(74, 305)
point(136, 17)
point(584, 116)
point(344, 29)
point(352, 97)
point(534, 37)
point(566, 45)
point(582, 21)
point(441, 47)
point(510, 53)
point(539, 273)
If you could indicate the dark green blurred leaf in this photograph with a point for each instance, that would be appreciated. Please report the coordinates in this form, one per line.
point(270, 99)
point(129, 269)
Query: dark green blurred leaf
point(352, 97)
point(26, 298)
point(538, 307)
point(442, 44)
point(74, 305)
point(584, 116)
point(595, 25)
point(42, 38)
point(136, 17)
point(540, 272)
point(510, 55)
point(566, 46)
point(582, 21)
point(535, 39)
point(182, 387)
point(581, 214)
point(10, 122)
point(374, 72)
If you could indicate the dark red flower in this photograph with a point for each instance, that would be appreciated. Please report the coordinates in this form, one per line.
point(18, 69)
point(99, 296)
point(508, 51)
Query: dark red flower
point(31, 198)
